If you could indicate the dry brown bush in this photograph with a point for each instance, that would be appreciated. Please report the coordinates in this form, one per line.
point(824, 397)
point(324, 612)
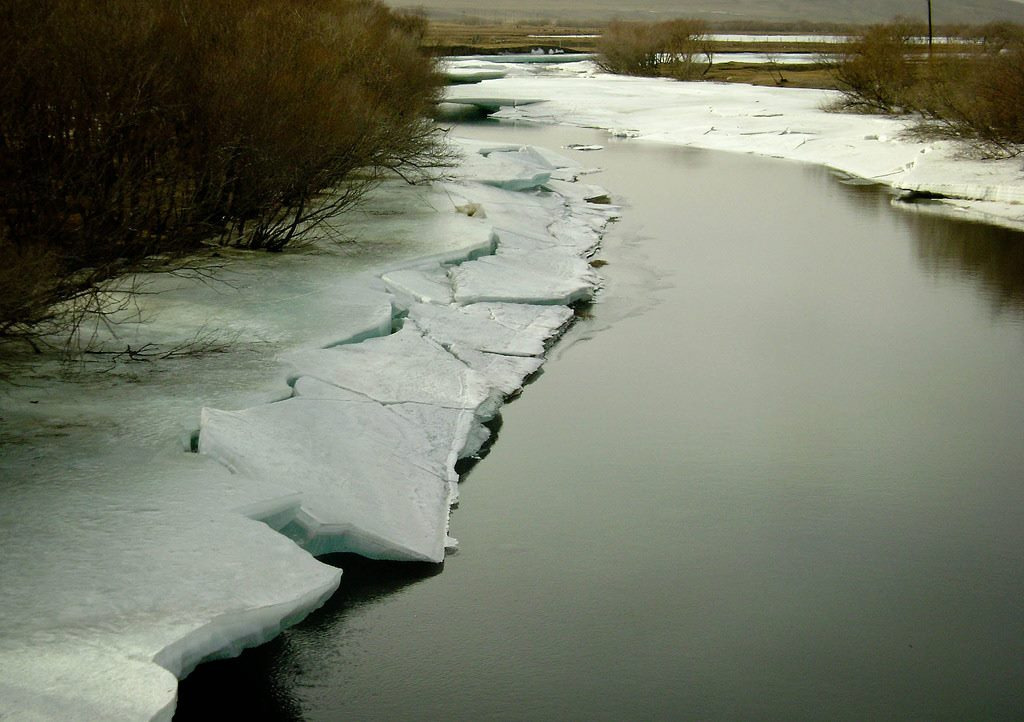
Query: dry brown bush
point(628, 48)
point(674, 48)
point(687, 51)
point(878, 71)
point(971, 92)
point(132, 128)
point(978, 96)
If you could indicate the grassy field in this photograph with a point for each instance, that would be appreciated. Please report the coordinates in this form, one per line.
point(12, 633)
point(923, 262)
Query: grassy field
point(789, 76)
point(450, 38)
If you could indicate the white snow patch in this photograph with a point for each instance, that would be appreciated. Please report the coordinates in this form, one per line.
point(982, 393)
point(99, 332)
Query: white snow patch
point(778, 122)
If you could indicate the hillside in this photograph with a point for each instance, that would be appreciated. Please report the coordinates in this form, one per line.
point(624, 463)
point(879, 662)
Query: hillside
point(788, 11)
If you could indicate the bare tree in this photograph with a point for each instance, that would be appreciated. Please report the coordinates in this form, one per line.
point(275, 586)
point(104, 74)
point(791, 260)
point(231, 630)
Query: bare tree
point(113, 150)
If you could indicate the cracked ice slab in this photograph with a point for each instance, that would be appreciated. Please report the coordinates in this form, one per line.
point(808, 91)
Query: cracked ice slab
point(108, 597)
point(453, 433)
point(538, 277)
point(370, 439)
point(405, 367)
point(512, 329)
point(514, 168)
point(365, 473)
point(505, 373)
point(419, 285)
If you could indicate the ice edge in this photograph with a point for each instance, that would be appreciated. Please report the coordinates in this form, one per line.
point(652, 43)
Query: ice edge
point(230, 633)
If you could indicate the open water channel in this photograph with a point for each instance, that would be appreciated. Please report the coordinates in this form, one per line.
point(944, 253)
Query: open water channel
point(775, 472)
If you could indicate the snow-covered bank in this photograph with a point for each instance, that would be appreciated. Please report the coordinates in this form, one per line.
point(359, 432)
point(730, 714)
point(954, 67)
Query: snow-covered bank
point(341, 384)
point(779, 122)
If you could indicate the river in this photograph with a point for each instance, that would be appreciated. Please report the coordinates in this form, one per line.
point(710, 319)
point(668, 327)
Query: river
point(775, 472)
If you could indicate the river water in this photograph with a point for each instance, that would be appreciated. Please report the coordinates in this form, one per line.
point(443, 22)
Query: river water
point(776, 472)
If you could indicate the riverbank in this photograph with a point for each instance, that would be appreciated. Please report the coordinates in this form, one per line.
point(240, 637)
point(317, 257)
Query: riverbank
point(787, 123)
point(771, 473)
point(329, 391)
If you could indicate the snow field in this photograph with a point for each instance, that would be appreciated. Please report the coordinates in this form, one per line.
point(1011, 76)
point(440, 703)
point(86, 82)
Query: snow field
point(367, 370)
point(785, 123)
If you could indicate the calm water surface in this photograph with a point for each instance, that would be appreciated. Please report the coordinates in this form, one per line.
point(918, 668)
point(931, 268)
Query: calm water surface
point(777, 473)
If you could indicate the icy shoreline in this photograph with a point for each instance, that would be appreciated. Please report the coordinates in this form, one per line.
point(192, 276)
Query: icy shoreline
point(128, 560)
point(786, 123)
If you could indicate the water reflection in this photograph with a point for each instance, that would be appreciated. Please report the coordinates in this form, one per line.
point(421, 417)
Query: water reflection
point(261, 684)
point(989, 258)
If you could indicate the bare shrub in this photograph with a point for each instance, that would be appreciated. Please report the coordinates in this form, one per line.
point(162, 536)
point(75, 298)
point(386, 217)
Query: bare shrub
point(675, 48)
point(974, 95)
point(992, 38)
point(628, 48)
point(878, 71)
point(687, 51)
point(362, 109)
point(978, 97)
point(132, 128)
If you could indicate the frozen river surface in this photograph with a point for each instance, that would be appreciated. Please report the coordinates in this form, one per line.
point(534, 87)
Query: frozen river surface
point(776, 473)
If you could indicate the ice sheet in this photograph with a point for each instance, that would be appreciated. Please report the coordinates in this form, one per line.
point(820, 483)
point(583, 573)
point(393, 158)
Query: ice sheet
point(365, 474)
point(406, 366)
point(541, 277)
point(108, 597)
point(128, 560)
point(456, 70)
point(511, 329)
point(778, 122)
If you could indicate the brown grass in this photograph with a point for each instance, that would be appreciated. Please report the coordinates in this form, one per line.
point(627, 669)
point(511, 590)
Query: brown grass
point(451, 38)
point(789, 76)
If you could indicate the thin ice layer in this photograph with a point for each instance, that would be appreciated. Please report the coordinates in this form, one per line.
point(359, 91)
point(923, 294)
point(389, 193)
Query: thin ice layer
point(513, 329)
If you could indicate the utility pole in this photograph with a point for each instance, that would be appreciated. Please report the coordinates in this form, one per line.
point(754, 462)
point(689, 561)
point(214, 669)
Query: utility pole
point(929, 28)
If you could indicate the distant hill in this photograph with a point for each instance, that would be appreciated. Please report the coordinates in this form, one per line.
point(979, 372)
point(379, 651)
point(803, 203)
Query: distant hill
point(786, 11)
